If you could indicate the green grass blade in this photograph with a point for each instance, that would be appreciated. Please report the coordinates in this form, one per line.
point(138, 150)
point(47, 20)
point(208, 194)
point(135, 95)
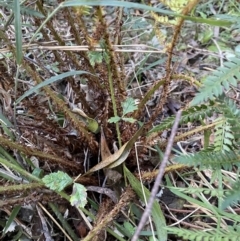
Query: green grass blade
point(6, 155)
point(214, 22)
point(21, 171)
point(6, 125)
point(50, 81)
point(63, 221)
point(74, 3)
point(18, 30)
point(157, 214)
point(13, 215)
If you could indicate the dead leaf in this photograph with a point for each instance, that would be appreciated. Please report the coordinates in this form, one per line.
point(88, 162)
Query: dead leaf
point(105, 152)
point(112, 175)
point(7, 100)
point(110, 160)
point(118, 157)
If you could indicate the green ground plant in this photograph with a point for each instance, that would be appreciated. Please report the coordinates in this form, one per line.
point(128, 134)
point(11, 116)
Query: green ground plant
point(56, 123)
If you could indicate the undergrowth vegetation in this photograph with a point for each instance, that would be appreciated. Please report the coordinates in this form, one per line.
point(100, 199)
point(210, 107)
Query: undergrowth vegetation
point(89, 93)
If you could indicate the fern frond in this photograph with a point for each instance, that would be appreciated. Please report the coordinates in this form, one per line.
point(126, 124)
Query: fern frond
point(191, 114)
point(193, 235)
point(220, 79)
point(228, 107)
point(223, 137)
point(233, 196)
point(232, 114)
point(207, 191)
point(212, 160)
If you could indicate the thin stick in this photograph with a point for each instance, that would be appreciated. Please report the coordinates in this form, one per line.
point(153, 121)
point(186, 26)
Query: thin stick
point(158, 181)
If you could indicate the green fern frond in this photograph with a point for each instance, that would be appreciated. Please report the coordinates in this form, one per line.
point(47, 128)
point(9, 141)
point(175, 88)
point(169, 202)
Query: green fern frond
point(232, 114)
point(193, 235)
point(212, 160)
point(220, 79)
point(193, 113)
point(223, 137)
point(207, 191)
point(228, 108)
point(233, 196)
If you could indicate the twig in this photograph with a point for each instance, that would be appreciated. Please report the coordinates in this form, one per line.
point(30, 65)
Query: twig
point(154, 191)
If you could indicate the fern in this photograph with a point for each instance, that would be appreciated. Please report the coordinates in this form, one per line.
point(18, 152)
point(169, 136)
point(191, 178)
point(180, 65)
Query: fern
point(224, 138)
point(212, 160)
point(205, 235)
point(220, 79)
point(233, 196)
point(207, 191)
point(228, 107)
point(232, 114)
point(193, 113)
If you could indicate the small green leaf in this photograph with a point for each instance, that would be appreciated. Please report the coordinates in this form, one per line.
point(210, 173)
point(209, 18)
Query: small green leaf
point(114, 119)
point(57, 181)
point(131, 120)
point(79, 196)
point(128, 106)
point(95, 57)
point(91, 124)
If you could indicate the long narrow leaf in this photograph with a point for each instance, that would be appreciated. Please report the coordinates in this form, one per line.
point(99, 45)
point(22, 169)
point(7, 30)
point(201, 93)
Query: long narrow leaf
point(50, 81)
point(157, 214)
point(13, 215)
point(18, 30)
point(74, 3)
point(144, 7)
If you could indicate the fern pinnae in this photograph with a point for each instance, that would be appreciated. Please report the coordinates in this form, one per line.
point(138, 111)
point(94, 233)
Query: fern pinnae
point(207, 191)
point(231, 113)
point(197, 235)
point(220, 79)
point(191, 114)
point(212, 160)
point(233, 196)
point(228, 107)
point(223, 137)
